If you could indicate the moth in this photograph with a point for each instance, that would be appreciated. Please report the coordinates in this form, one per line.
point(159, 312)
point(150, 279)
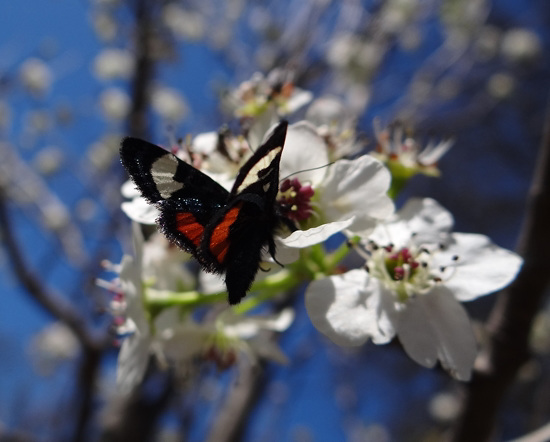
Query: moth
point(225, 231)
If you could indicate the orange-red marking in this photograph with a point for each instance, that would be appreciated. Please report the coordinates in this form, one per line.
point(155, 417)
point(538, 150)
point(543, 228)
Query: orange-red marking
point(189, 227)
point(219, 241)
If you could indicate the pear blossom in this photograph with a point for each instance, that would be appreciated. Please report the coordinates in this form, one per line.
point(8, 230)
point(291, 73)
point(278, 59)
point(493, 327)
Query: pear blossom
point(223, 340)
point(169, 104)
point(347, 195)
point(183, 23)
point(131, 319)
point(263, 100)
point(113, 63)
point(521, 46)
point(336, 125)
point(36, 76)
point(415, 275)
point(137, 209)
point(170, 334)
point(53, 345)
point(115, 103)
point(254, 96)
point(403, 154)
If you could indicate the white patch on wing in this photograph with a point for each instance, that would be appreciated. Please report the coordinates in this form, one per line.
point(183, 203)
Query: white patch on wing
point(163, 171)
point(264, 163)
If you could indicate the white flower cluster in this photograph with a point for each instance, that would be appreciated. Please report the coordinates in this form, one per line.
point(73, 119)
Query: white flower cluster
point(415, 272)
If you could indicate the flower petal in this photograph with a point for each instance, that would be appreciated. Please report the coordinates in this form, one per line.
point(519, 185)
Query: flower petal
point(356, 188)
point(140, 210)
point(481, 268)
point(129, 190)
point(260, 128)
point(245, 327)
point(299, 98)
point(435, 327)
point(351, 308)
point(305, 238)
point(132, 361)
point(205, 143)
point(432, 153)
point(185, 341)
point(268, 349)
point(210, 283)
point(283, 253)
point(425, 218)
point(304, 150)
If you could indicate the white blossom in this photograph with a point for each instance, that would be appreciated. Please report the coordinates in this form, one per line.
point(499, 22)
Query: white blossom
point(521, 46)
point(416, 273)
point(169, 103)
point(115, 103)
point(53, 345)
point(183, 23)
point(113, 63)
point(36, 76)
point(172, 336)
point(349, 194)
point(404, 155)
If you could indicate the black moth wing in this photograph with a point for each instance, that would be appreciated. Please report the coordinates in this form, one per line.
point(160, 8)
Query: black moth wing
point(187, 198)
point(233, 242)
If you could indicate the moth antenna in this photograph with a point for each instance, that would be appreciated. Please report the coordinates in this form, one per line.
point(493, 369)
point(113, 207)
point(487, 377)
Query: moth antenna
point(221, 146)
point(306, 170)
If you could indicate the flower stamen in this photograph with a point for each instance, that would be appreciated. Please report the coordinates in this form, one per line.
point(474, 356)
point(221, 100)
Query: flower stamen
point(295, 199)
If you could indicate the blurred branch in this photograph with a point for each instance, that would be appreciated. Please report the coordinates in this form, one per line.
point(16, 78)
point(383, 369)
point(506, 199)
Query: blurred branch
point(144, 71)
point(85, 394)
point(229, 421)
point(21, 183)
point(510, 322)
point(64, 311)
point(56, 305)
point(134, 417)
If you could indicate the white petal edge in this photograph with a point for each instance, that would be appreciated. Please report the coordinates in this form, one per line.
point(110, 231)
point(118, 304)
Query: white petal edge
point(436, 327)
point(349, 309)
point(426, 218)
point(304, 150)
point(129, 190)
point(356, 188)
point(305, 238)
point(482, 267)
point(132, 362)
point(140, 211)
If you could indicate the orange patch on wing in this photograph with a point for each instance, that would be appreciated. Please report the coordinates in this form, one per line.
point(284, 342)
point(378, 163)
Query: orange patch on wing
point(219, 241)
point(189, 227)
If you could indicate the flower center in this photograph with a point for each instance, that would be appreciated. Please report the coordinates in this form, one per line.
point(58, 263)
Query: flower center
point(407, 271)
point(223, 359)
point(295, 199)
point(401, 264)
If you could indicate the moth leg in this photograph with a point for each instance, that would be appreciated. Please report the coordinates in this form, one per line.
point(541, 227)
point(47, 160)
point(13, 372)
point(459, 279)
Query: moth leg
point(272, 250)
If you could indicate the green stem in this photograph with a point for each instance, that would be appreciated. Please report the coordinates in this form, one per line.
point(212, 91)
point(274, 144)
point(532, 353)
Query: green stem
point(397, 185)
point(268, 288)
point(164, 298)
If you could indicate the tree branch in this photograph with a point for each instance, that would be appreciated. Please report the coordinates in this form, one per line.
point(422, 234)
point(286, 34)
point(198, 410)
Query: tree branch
point(511, 320)
point(229, 421)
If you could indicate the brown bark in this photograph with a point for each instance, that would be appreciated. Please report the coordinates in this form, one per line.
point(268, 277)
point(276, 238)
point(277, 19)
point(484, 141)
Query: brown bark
point(511, 320)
